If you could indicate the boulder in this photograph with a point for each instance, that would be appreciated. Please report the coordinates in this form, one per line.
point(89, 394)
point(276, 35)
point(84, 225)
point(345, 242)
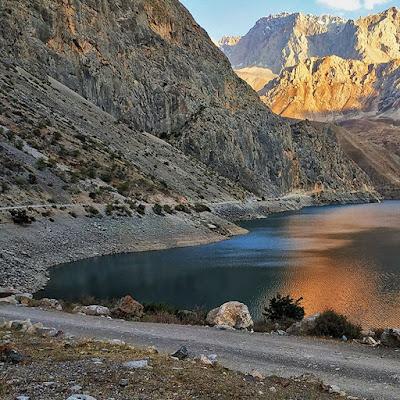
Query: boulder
point(181, 354)
point(94, 310)
point(7, 292)
point(303, 327)
point(24, 298)
point(391, 337)
point(52, 304)
point(9, 300)
point(233, 314)
point(128, 308)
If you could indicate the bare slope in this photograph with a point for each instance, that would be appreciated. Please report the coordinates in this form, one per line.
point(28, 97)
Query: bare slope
point(152, 67)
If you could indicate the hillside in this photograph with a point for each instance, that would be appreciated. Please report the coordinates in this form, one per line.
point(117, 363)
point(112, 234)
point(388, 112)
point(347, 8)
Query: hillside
point(147, 70)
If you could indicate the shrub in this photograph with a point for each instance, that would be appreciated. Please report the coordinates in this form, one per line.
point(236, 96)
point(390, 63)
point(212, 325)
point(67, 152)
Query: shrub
point(109, 209)
point(284, 308)
point(335, 325)
point(157, 209)
point(19, 144)
point(168, 209)
point(32, 179)
point(199, 207)
point(21, 217)
point(183, 208)
point(141, 209)
point(41, 164)
point(92, 210)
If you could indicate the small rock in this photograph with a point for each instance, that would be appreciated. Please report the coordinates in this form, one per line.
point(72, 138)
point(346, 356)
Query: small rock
point(124, 382)
point(137, 364)
point(23, 398)
point(208, 360)
point(181, 354)
point(75, 388)
point(272, 389)
point(81, 397)
point(257, 375)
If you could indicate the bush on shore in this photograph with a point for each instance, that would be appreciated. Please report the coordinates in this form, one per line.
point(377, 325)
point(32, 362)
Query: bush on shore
point(284, 308)
point(332, 324)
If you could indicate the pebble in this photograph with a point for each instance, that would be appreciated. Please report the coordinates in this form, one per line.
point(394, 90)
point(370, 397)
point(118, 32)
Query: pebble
point(272, 389)
point(137, 364)
point(75, 388)
point(124, 382)
point(181, 354)
point(23, 398)
point(81, 397)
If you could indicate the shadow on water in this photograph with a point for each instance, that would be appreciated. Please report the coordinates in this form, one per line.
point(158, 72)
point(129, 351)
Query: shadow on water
point(345, 258)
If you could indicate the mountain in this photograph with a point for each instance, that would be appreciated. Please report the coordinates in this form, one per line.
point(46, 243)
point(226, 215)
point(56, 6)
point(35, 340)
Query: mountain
point(134, 96)
point(332, 88)
point(285, 40)
point(330, 69)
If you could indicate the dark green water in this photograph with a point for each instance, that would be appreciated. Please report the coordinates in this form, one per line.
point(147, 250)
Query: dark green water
point(346, 258)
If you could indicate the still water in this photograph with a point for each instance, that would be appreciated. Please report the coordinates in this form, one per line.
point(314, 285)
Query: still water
point(346, 258)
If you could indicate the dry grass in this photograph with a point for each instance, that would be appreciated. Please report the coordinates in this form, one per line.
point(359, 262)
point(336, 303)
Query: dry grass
point(68, 363)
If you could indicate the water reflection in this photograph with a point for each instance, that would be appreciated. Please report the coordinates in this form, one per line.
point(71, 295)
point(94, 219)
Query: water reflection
point(345, 258)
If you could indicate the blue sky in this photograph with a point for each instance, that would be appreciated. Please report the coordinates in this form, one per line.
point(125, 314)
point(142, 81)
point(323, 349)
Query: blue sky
point(236, 17)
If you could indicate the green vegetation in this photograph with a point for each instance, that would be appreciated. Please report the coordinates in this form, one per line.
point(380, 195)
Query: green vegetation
point(199, 207)
point(21, 217)
point(158, 209)
point(284, 308)
point(41, 164)
point(335, 325)
point(183, 208)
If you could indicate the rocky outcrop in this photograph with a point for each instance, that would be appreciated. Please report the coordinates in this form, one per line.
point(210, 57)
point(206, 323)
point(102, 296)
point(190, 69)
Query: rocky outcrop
point(128, 308)
point(232, 314)
point(333, 88)
point(153, 68)
point(391, 337)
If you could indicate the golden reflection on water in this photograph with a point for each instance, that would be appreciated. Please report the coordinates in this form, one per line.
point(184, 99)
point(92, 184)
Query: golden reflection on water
point(328, 279)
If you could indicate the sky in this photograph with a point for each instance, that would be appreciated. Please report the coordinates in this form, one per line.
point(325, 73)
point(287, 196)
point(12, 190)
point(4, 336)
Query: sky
point(236, 17)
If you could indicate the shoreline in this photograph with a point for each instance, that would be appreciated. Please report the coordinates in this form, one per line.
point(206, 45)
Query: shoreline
point(28, 252)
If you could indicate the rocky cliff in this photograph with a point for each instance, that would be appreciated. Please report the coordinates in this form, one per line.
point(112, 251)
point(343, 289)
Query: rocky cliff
point(89, 84)
point(333, 88)
point(328, 67)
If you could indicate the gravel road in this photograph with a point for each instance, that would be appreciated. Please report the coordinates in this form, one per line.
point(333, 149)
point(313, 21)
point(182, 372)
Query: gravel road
point(359, 370)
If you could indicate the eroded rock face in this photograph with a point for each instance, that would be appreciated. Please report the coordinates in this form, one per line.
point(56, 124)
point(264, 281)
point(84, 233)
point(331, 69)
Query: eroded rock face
point(148, 63)
point(232, 314)
point(128, 308)
point(332, 87)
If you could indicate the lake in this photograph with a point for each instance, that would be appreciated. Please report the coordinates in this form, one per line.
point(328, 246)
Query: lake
point(345, 258)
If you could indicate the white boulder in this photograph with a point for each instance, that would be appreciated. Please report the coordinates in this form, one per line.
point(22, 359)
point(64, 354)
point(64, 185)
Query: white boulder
point(232, 314)
point(94, 310)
